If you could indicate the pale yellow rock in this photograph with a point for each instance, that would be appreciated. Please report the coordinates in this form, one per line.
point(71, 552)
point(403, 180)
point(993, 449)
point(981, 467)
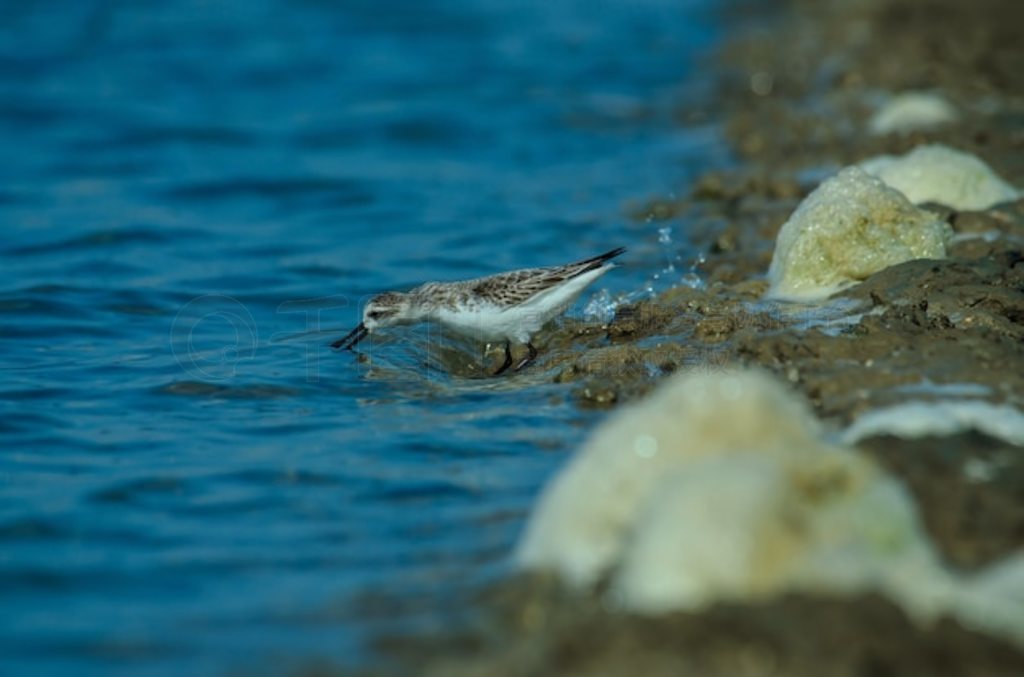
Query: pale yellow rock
point(912, 111)
point(583, 519)
point(722, 487)
point(851, 226)
point(940, 174)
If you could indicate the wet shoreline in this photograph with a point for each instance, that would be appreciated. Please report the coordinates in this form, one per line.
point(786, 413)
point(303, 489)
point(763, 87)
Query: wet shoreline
point(798, 100)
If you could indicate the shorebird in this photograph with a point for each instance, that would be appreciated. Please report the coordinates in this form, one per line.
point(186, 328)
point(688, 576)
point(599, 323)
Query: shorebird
point(505, 307)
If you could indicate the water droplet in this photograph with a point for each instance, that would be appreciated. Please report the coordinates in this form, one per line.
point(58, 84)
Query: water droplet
point(600, 308)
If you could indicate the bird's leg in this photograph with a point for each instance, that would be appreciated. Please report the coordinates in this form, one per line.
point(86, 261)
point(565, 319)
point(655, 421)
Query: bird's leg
point(529, 358)
point(508, 359)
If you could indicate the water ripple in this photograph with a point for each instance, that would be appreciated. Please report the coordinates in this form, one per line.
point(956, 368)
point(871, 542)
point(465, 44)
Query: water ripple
point(253, 391)
point(106, 238)
point(192, 482)
point(329, 192)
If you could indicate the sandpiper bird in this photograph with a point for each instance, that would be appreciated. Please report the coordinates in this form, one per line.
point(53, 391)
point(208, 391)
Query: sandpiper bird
point(504, 307)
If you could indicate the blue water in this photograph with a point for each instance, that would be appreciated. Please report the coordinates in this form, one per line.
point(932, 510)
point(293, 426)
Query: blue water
point(190, 481)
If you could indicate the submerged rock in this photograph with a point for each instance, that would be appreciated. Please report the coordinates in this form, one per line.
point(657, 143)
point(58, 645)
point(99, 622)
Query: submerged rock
point(912, 111)
point(938, 173)
point(851, 226)
point(721, 487)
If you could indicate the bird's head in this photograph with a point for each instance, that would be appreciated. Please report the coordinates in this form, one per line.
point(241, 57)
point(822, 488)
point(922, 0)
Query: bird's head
point(384, 310)
point(387, 310)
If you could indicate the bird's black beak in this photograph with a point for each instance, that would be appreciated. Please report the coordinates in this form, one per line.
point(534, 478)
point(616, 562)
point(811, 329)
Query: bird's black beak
point(353, 337)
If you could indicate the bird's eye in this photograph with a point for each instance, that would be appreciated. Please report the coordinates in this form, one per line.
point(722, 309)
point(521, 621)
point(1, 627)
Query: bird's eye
point(374, 314)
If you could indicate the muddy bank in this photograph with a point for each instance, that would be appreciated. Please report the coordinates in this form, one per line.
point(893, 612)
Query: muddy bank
point(922, 329)
point(799, 96)
point(798, 636)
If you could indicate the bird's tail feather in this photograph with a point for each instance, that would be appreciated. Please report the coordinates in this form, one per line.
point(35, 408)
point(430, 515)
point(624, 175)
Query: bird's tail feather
point(587, 265)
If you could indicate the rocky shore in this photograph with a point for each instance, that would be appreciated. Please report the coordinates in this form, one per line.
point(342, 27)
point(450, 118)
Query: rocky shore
point(814, 89)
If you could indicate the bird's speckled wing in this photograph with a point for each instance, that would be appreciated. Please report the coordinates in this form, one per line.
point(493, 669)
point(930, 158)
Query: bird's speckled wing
point(502, 290)
point(519, 286)
point(505, 289)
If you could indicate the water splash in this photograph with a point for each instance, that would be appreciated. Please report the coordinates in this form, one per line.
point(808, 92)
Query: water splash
point(600, 308)
point(668, 277)
point(692, 277)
